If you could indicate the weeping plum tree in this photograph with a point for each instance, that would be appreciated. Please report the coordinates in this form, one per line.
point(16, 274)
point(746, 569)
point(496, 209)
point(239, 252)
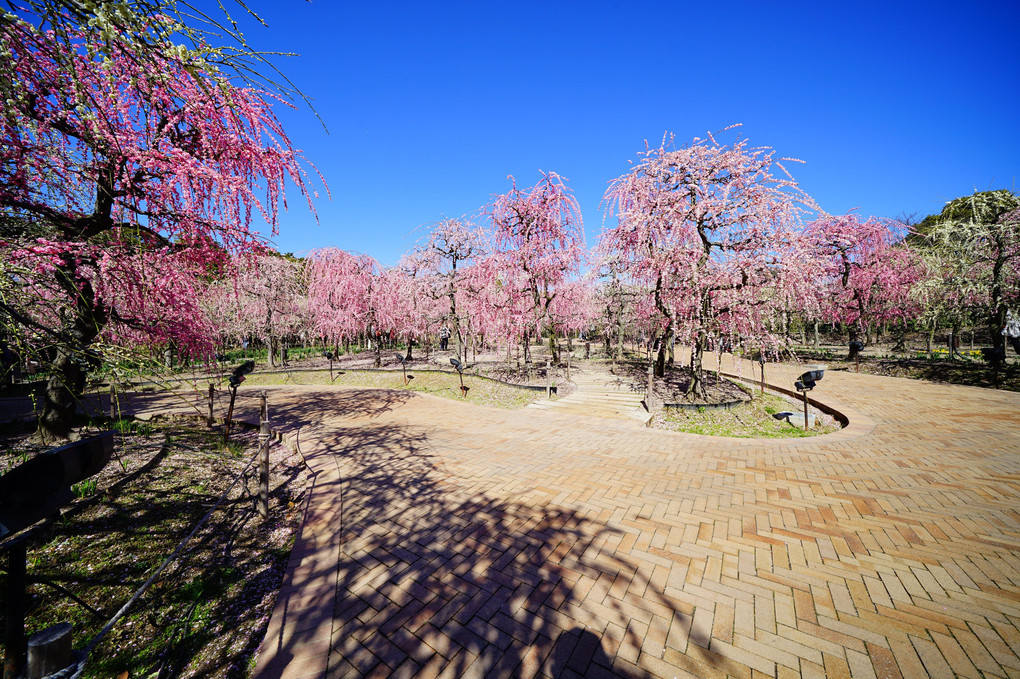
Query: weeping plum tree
point(122, 158)
point(452, 246)
point(271, 297)
point(538, 232)
point(708, 229)
point(866, 271)
point(342, 294)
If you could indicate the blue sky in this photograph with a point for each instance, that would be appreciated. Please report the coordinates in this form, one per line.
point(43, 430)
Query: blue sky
point(894, 107)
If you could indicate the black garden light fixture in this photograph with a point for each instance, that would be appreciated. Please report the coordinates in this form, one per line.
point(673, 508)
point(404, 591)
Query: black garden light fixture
point(761, 364)
point(805, 384)
point(235, 379)
point(403, 368)
point(993, 354)
point(460, 372)
point(329, 355)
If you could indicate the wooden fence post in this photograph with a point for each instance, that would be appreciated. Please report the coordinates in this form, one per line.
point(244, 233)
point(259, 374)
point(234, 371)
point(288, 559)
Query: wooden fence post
point(264, 453)
point(651, 377)
point(14, 639)
point(49, 651)
point(212, 420)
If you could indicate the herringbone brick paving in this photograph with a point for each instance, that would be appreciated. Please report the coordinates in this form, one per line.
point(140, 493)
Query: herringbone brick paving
point(448, 540)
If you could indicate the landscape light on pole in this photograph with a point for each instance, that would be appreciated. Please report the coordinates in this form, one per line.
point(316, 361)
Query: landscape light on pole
point(761, 364)
point(403, 368)
point(235, 379)
point(460, 372)
point(329, 355)
point(805, 384)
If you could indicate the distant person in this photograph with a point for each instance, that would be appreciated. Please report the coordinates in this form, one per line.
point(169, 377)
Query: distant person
point(444, 338)
point(1012, 330)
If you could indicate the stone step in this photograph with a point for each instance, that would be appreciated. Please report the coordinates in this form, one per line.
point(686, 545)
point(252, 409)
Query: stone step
point(586, 404)
point(610, 414)
point(604, 398)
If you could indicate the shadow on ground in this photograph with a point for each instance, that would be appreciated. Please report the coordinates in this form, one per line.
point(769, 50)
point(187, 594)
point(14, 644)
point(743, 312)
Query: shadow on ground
point(436, 577)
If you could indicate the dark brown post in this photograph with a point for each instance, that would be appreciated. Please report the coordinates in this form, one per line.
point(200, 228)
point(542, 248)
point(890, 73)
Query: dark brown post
point(651, 377)
point(14, 640)
point(230, 414)
point(113, 400)
point(548, 380)
point(211, 397)
point(264, 453)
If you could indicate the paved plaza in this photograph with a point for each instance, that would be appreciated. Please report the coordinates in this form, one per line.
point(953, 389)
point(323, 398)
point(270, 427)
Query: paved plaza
point(445, 539)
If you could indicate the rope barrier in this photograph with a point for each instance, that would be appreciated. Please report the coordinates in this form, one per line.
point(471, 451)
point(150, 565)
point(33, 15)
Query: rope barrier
point(75, 669)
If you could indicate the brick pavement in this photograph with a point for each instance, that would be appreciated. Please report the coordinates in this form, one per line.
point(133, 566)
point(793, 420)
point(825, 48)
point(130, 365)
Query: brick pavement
point(445, 539)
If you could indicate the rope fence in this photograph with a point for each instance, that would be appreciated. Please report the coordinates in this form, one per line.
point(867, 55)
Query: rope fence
point(81, 658)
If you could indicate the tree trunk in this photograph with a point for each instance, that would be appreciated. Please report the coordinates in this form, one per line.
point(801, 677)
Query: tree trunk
point(901, 337)
point(954, 342)
point(73, 362)
point(816, 335)
point(855, 337)
point(696, 388)
point(619, 337)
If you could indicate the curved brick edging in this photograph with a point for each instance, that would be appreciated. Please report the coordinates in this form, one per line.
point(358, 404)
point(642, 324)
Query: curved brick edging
point(854, 422)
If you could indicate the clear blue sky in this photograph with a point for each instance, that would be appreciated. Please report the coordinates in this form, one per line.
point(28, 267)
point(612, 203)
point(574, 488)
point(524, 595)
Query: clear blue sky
point(894, 107)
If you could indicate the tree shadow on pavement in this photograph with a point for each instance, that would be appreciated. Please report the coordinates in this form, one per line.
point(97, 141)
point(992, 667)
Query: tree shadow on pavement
point(437, 575)
point(293, 407)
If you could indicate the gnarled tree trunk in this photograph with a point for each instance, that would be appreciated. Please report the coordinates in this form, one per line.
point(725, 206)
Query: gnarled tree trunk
point(74, 360)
